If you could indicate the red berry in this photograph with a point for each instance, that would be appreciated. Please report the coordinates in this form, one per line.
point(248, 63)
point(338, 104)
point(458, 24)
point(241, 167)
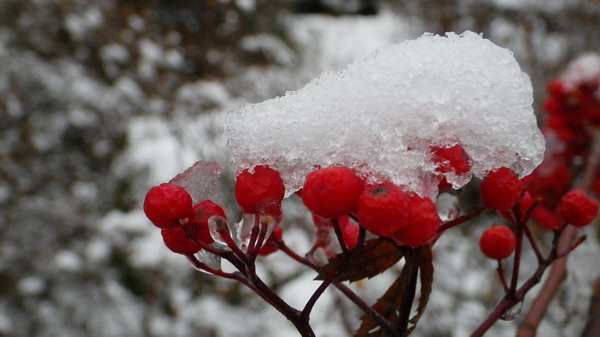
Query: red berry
point(202, 212)
point(497, 242)
point(332, 192)
point(556, 87)
point(168, 205)
point(423, 223)
point(553, 105)
point(177, 242)
point(382, 209)
point(452, 159)
point(500, 189)
point(577, 208)
point(270, 245)
point(254, 191)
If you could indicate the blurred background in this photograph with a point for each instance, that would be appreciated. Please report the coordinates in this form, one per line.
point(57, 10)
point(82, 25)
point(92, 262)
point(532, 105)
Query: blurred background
point(100, 100)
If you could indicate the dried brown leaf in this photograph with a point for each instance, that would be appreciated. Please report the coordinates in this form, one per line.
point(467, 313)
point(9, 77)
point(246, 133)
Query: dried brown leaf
point(360, 263)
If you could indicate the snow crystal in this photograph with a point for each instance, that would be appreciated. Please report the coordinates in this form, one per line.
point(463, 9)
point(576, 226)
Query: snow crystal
point(382, 115)
point(200, 180)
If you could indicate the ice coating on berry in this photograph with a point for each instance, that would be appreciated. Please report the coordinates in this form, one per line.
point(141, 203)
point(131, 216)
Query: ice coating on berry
point(423, 224)
point(199, 180)
point(168, 205)
point(383, 209)
point(255, 191)
point(177, 242)
point(381, 115)
point(332, 191)
point(500, 189)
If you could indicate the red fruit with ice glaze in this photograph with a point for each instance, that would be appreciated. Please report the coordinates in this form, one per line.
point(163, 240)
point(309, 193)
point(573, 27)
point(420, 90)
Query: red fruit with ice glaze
point(168, 205)
point(255, 191)
point(452, 159)
point(177, 242)
point(202, 212)
point(423, 223)
point(332, 191)
point(500, 189)
point(383, 209)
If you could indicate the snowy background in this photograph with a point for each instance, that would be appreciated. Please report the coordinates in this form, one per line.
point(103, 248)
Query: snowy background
point(100, 100)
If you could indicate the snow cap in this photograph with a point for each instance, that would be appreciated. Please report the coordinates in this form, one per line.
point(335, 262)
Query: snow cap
point(382, 115)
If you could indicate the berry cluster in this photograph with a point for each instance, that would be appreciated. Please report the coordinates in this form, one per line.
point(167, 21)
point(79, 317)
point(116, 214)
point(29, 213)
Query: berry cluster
point(345, 210)
point(185, 228)
point(502, 190)
point(573, 115)
point(363, 228)
point(169, 207)
point(383, 209)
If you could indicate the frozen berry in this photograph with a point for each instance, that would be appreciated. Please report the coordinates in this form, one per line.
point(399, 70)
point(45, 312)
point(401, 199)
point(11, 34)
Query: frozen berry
point(577, 208)
point(332, 192)
point(254, 191)
point(177, 242)
point(452, 159)
point(382, 209)
point(270, 245)
point(500, 189)
point(497, 242)
point(168, 205)
point(202, 212)
point(423, 223)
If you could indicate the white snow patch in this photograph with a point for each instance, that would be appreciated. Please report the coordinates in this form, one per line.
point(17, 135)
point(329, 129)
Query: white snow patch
point(31, 285)
point(68, 260)
point(381, 115)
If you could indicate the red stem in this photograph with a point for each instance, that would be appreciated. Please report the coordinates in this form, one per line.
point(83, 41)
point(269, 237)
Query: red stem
point(511, 299)
point(340, 236)
point(374, 315)
point(501, 276)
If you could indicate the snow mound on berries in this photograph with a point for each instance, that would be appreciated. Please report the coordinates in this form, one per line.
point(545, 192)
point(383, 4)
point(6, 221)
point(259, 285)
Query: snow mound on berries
point(381, 116)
